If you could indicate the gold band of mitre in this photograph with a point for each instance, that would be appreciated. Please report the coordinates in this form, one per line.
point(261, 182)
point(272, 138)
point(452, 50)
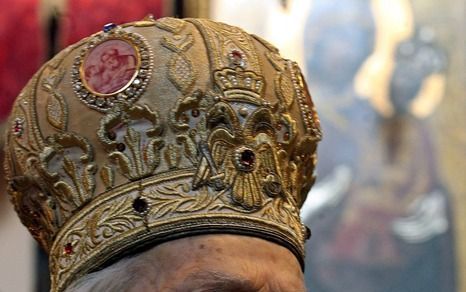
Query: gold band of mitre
point(113, 224)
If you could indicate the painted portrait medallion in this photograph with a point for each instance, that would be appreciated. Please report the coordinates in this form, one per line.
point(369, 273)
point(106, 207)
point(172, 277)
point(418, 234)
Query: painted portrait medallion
point(110, 67)
point(114, 66)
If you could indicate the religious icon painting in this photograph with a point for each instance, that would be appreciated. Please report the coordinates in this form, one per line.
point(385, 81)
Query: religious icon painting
point(115, 67)
point(110, 66)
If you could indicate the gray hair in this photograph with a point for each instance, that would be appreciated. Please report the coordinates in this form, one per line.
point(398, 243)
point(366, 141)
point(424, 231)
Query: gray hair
point(120, 276)
point(123, 275)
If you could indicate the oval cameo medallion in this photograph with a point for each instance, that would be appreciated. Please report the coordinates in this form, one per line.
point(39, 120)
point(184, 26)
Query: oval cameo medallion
point(110, 67)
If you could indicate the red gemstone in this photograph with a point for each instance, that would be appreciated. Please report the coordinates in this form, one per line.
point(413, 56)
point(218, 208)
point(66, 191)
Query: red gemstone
point(18, 127)
point(248, 157)
point(68, 248)
point(236, 54)
point(236, 57)
point(286, 136)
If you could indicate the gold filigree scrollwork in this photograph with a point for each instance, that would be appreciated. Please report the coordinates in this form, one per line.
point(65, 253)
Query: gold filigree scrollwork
point(147, 21)
point(221, 39)
point(66, 162)
point(172, 155)
point(57, 109)
point(238, 84)
point(276, 61)
point(23, 135)
point(109, 221)
point(132, 136)
point(173, 199)
point(106, 222)
point(107, 175)
point(283, 83)
point(180, 68)
point(172, 25)
point(305, 159)
point(187, 119)
point(35, 209)
point(286, 130)
point(182, 117)
point(240, 157)
point(284, 89)
point(306, 106)
point(285, 211)
point(236, 137)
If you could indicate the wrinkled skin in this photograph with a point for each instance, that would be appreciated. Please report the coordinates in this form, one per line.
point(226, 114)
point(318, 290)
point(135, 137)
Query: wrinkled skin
point(220, 263)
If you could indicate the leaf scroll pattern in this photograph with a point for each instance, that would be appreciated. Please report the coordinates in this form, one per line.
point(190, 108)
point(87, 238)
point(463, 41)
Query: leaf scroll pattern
point(132, 136)
point(57, 109)
point(67, 164)
point(178, 199)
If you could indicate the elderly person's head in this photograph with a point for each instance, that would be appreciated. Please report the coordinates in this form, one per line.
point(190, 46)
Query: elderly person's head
point(189, 177)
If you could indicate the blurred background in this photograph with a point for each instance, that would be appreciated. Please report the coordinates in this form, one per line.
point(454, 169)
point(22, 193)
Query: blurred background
point(388, 211)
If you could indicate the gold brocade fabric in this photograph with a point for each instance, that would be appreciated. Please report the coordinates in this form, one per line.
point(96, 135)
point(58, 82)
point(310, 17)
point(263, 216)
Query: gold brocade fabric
point(154, 130)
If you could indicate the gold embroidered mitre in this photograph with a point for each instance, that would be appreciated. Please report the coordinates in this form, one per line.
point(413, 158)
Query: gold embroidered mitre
point(156, 130)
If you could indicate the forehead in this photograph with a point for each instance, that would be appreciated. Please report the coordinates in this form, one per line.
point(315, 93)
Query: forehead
point(229, 263)
point(212, 280)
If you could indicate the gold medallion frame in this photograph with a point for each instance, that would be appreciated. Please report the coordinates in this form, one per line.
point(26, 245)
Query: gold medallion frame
point(134, 88)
